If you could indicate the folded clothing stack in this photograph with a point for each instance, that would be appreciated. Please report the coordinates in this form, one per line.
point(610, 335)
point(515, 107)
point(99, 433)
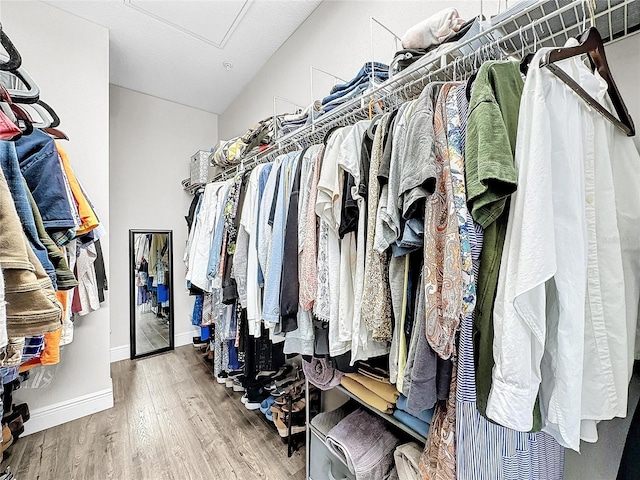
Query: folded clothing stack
point(378, 394)
point(407, 459)
point(255, 139)
point(292, 122)
point(419, 423)
point(363, 443)
point(369, 370)
point(369, 75)
point(433, 30)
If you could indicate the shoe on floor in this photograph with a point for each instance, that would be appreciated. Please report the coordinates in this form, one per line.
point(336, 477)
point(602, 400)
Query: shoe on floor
point(237, 386)
point(222, 377)
point(21, 409)
point(255, 399)
point(198, 342)
point(265, 406)
point(16, 425)
point(7, 438)
point(244, 399)
point(282, 372)
point(233, 375)
point(281, 420)
point(280, 387)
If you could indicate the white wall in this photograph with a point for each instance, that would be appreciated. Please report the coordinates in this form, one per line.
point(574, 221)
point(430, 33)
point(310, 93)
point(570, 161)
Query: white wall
point(335, 38)
point(624, 61)
point(69, 59)
point(152, 141)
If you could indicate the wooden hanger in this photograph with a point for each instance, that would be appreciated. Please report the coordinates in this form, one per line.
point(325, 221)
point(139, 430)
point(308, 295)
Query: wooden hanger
point(591, 45)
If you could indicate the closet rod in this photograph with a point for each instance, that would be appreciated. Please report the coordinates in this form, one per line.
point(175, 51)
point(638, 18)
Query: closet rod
point(429, 67)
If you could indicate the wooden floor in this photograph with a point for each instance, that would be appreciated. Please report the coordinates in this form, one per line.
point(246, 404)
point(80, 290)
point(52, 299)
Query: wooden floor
point(152, 333)
point(171, 420)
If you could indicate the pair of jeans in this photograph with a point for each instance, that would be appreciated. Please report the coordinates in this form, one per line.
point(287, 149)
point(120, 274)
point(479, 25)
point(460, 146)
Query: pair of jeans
point(40, 165)
point(412, 238)
point(343, 96)
point(15, 182)
point(378, 69)
point(196, 316)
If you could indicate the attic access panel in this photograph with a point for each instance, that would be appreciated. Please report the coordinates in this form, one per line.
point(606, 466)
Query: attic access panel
point(212, 22)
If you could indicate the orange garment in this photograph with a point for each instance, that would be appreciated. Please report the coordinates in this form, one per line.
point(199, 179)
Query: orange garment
point(51, 353)
point(63, 299)
point(88, 217)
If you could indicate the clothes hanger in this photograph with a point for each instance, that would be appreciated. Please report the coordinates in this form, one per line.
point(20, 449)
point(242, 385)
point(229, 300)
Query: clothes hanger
point(22, 88)
point(487, 53)
point(373, 126)
point(329, 133)
point(526, 59)
point(49, 120)
point(477, 63)
point(19, 116)
point(15, 60)
point(376, 104)
point(591, 44)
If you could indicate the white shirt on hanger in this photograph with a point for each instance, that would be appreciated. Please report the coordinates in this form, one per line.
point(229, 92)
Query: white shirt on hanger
point(249, 221)
point(328, 208)
point(562, 275)
point(351, 270)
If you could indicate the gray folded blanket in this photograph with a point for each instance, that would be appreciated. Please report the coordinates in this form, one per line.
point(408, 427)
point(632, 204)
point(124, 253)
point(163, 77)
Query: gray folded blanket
point(364, 444)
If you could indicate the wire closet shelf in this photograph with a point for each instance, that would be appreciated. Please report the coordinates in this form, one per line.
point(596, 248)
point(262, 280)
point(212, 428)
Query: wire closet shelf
point(516, 32)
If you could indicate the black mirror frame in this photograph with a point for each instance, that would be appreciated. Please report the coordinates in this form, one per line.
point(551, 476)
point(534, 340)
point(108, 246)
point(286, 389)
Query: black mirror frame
point(132, 296)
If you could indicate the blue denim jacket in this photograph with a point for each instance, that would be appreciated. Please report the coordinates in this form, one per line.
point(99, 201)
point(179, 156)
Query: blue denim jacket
point(15, 181)
point(41, 167)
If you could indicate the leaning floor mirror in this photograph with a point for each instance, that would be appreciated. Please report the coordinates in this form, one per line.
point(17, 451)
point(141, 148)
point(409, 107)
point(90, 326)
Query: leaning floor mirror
point(151, 291)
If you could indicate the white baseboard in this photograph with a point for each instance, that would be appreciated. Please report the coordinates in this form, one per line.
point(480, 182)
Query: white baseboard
point(63, 412)
point(185, 338)
point(120, 353)
point(123, 351)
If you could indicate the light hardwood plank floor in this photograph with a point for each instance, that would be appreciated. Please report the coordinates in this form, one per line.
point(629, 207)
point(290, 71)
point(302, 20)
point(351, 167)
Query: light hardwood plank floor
point(171, 420)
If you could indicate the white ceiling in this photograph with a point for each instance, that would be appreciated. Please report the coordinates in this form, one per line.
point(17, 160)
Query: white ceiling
point(177, 50)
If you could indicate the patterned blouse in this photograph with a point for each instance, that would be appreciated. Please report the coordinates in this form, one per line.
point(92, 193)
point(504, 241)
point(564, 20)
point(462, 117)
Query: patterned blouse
point(442, 257)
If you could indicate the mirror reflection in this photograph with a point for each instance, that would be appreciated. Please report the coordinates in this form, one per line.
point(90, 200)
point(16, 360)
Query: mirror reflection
point(151, 296)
